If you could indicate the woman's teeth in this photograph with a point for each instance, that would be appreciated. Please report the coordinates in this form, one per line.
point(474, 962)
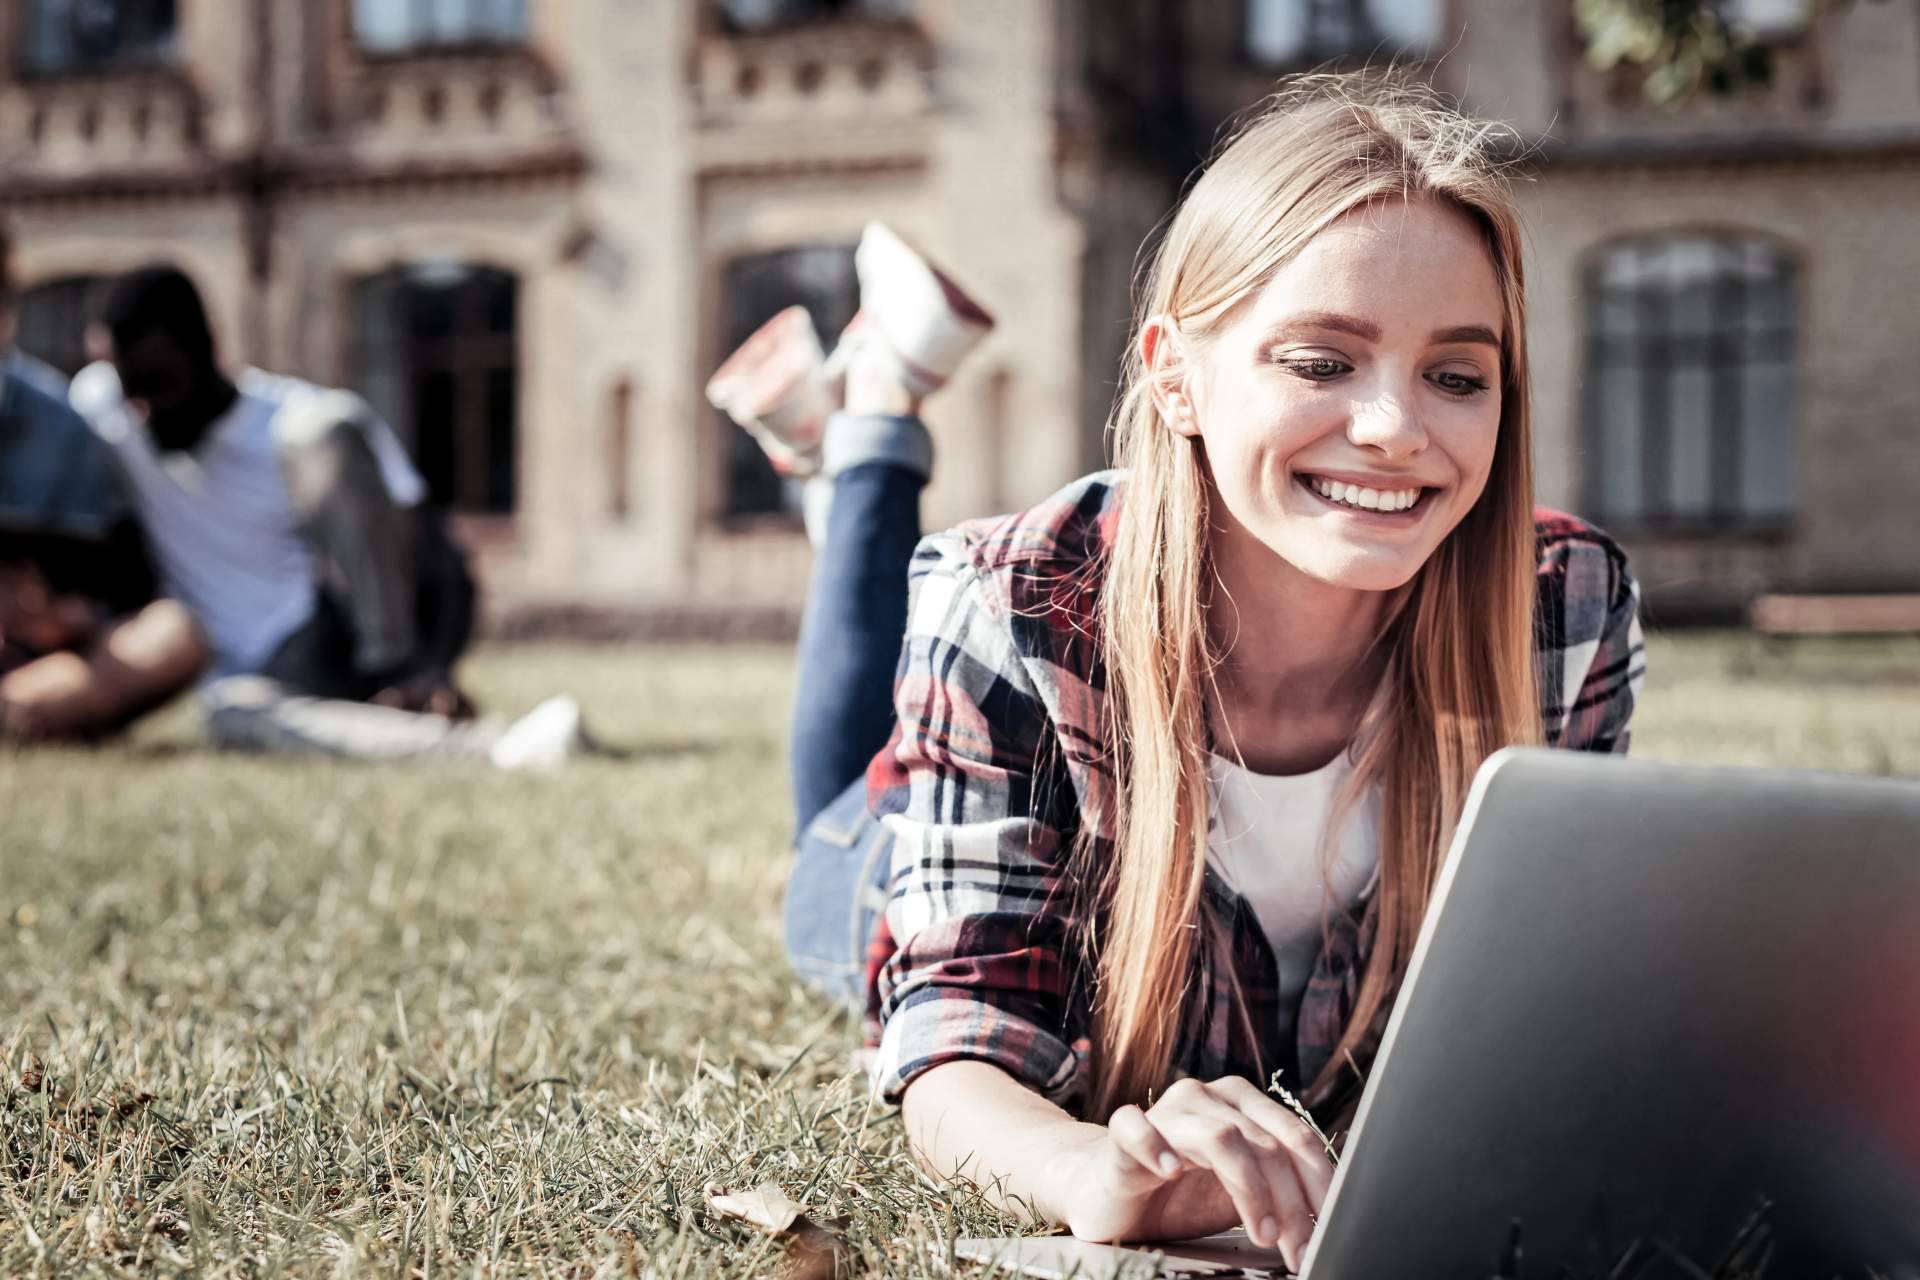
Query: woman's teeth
point(1353, 495)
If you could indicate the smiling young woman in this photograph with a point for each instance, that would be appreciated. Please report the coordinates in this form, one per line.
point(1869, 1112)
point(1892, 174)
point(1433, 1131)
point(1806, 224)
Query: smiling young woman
point(1172, 759)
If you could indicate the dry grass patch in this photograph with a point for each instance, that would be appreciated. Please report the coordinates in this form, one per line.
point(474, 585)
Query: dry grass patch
point(263, 1018)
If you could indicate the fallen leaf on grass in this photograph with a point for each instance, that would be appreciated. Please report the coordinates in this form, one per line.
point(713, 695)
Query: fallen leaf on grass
point(766, 1206)
point(170, 1226)
point(814, 1252)
point(131, 1105)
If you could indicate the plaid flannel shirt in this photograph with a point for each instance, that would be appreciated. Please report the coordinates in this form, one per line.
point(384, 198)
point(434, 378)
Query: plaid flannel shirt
point(999, 755)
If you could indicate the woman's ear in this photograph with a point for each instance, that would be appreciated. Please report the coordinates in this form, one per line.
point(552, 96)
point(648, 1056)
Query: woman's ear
point(1168, 375)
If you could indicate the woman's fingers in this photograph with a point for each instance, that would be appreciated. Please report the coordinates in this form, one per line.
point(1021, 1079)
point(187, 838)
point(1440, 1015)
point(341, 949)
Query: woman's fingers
point(1260, 1181)
point(1309, 1156)
point(1293, 1216)
point(1138, 1140)
point(1270, 1165)
point(1219, 1147)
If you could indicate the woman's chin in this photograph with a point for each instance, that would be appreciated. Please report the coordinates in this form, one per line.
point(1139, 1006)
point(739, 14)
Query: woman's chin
point(1354, 567)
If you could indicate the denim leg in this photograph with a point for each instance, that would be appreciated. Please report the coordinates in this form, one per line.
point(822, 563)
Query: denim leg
point(850, 642)
point(855, 617)
point(842, 865)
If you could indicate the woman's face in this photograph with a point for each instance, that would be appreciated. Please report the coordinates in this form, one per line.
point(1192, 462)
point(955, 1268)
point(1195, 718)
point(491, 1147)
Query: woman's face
point(1350, 410)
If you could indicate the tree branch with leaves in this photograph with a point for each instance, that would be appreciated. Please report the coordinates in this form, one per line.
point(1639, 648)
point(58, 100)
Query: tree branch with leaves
point(1685, 46)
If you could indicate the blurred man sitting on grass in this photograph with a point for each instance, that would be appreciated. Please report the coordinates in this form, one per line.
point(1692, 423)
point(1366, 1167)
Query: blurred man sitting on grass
point(84, 647)
point(289, 520)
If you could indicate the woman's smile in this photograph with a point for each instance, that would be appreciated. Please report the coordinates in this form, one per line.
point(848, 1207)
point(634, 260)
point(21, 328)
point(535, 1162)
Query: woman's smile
point(1390, 503)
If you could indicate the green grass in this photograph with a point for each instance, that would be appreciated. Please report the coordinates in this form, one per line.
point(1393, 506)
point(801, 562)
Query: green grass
point(1847, 705)
point(265, 1018)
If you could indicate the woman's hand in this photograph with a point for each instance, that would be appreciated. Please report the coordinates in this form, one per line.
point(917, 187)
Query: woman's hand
point(430, 693)
point(1204, 1158)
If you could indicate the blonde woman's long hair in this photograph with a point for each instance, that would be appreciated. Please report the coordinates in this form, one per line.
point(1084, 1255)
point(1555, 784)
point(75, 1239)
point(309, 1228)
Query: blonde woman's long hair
point(1458, 678)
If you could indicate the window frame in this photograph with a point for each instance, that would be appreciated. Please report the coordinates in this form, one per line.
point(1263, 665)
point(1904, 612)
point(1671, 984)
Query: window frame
point(1730, 344)
point(1771, 33)
point(470, 359)
point(432, 45)
point(1369, 42)
point(160, 49)
point(850, 11)
point(741, 468)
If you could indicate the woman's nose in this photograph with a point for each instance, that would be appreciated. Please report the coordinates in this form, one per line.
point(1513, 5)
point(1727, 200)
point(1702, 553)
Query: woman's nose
point(1388, 425)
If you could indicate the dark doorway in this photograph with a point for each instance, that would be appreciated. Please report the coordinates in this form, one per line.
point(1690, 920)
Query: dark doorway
point(435, 350)
point(817, 277)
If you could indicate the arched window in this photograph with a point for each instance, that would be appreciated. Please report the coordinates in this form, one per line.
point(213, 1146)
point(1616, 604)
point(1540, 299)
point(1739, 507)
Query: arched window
point(435, 350)
point(1299, 32)
point(75, 36)
point(53, 320)
point(1770, 19)
point(763, 15)
point(817, 277)
point(1690, 384)
point(390, 26)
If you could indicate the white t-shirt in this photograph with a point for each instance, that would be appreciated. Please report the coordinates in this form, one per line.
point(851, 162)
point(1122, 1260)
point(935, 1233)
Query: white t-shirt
point(1264, 843)
point(218, 519)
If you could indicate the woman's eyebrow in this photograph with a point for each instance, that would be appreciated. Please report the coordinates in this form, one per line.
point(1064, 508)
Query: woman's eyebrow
point(1465, 333)
point(1339, 322)
point(1334, 320)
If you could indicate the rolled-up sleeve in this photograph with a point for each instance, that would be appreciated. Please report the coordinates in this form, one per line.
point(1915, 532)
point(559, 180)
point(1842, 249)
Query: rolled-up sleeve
point(974, 963)
point(1603, 656)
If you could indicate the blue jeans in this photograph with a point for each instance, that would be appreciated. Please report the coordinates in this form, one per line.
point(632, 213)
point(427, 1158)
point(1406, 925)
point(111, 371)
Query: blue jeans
point(850, 640)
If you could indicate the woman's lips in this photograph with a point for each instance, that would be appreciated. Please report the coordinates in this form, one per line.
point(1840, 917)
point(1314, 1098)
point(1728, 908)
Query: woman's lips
point(1395, 502)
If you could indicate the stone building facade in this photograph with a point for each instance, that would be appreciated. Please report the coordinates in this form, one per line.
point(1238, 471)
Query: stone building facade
point(528, 228)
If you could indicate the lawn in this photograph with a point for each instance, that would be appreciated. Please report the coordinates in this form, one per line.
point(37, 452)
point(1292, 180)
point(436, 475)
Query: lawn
point(264, 1018)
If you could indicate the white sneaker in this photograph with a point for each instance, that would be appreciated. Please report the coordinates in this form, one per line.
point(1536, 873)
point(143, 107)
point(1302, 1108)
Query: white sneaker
point(917, 312)
point(775, 386)
point(780, 388)
point(544, 739)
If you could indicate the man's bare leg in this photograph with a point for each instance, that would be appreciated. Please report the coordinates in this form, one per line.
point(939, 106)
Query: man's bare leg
point(134, 665)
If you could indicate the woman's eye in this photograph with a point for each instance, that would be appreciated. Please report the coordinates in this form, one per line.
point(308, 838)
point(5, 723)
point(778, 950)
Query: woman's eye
point(1459, 384)
point(1317, 368)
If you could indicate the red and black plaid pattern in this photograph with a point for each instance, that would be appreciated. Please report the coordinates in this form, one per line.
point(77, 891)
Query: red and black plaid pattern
point(999, 761)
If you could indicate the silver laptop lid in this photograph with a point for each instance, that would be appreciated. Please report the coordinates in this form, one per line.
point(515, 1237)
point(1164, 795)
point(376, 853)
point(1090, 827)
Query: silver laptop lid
point(1648, 996)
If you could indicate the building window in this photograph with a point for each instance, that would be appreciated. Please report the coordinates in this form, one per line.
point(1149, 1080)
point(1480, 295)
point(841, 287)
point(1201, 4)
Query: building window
point(1690, 385)
point(1769, 19)
point(52, 320)
point(817, 277)
point(392, 26)
point(763, 15)
point(1283, 33)
point(620, 450)
point(435, 351)
point(95, 35)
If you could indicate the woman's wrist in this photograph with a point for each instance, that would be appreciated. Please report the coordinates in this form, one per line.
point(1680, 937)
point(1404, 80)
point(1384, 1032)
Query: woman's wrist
point(972, 1120)
point(1066, 1169)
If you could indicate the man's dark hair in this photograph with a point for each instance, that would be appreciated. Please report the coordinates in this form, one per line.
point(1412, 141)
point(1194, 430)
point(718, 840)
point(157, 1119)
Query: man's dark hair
point(157, 299)
point(6, 267)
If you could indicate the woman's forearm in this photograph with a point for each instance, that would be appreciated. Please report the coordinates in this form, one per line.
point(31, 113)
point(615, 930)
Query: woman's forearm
point(973, 1120)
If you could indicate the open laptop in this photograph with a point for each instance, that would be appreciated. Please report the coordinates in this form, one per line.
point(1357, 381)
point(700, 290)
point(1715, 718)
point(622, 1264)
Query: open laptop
point(1648, 999)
